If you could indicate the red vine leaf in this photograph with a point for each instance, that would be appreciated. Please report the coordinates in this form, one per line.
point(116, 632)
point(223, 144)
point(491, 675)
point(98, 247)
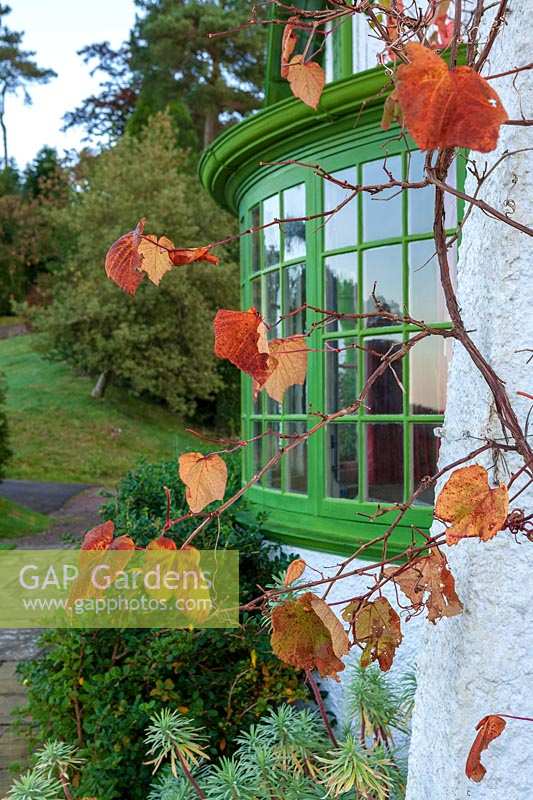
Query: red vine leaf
point(240, 337)
point(447, 108)
point(205, 478)
point(288, 365)
point(376, 625)
point(288, 43)
point(161, 543)
point(99, 538)
point(122, 543)
point(307, 634)
point(428, 581)
point(183, 256)
point(294, 571)
point(306, 79)
point(155, 257)
point(471, 507)
point(489, 728)
point(123, 260)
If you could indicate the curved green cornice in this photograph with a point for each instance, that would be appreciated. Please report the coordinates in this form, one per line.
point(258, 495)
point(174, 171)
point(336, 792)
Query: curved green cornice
point(289, 125)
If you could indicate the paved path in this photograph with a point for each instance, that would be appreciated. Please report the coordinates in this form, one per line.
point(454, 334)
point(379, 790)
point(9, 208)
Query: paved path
point(17, 329)
point(40, 496)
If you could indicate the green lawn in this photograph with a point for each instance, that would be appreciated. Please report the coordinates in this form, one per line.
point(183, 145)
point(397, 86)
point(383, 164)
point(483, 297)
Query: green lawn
point(18, 521)
point(59, 433)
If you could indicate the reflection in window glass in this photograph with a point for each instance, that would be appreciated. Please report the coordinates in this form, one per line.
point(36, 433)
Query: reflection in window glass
point(382, 213)
point(340, 229)
point(257, 454)
point(271, 236)
point(429, 361)
point(328, 60)
point(296, 399)
point(272, 478)
point(382, 267)
point(296, 460)
point(341, 373)
point(272, 304)
point(385, 395)
point(256, 294)
point(341, 287)
point(255, 222)
point(294, 280)
point(294, 232)
point(421, 201)
point(424, 455)
point(343, 470)
point(272, 406)
point(426, 298)
point(384, 463)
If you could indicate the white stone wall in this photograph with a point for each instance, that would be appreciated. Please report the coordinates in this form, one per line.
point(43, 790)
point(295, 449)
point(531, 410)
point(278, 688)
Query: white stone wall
point(481, 662)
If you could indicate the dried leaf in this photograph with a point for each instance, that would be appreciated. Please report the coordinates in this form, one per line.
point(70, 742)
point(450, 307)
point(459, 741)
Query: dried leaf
point(239, 337)
point(99, 538)
point(288, 365)
point(180, 257)
point(376, 625)
point(161, 543)
point(307, 80)
point(305, 635)
point(155, 257)
point(489, 728)
point(471, 506)
point(123, 260)
point(429, 576)
point(447, 108)
point(122, 543)
point(294, 571)
point(205, 478)
point(288, 43)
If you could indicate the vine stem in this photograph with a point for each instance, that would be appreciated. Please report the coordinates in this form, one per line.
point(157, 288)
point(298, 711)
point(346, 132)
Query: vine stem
point(188, 774)
point(321, 707)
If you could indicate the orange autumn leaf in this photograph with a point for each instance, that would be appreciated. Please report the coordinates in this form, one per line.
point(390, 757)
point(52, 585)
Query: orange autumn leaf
point(205, 479)
point(99, 538)
point(183, 256)
point(294, 571)
point(122, 543)
point(155, 257)
point(288, 43)
point(161, 543)
point(288, 365)
point(471, 507)
point(306, 79)
point(240, 337)
point(123, 260)
point(306, 634)
point(447, 108)
point(376, 626)
point(428, 582)
point(489, 728)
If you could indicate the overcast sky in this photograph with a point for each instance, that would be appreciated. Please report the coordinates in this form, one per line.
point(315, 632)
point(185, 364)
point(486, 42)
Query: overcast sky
point(56, 29)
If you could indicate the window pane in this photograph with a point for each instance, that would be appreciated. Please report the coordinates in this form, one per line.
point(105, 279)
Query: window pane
point(421, 202)
point(294, 232)
point(382, 213)
point(424, 454)
point(341, 374)
point(382, 269)
point(328, 59)
point(296, 460)
point(340, 229)
point(271, 236)
point(294, 278)
point(343, 470)
point(426, 298)
point(272, 478)
point(341, 288)
point(256, 294)
point(257, 455)
point(429, 361)
point(255, 221)
point(272, 300)
point(384, 463)
point(385, 395)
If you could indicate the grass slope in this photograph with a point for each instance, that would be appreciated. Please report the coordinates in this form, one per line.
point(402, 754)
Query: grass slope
point(59, 433)
point(18, 521)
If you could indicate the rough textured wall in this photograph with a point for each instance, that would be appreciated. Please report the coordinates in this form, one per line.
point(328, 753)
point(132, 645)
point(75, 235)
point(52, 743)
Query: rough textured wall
point(351, 587)
point(481, 662)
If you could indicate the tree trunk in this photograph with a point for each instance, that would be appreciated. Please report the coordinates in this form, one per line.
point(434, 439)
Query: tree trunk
point(3, 125)
point(480, 662)
point(101, 384)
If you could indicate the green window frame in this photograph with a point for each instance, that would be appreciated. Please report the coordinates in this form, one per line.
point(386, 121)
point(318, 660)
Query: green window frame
point(323, 515)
